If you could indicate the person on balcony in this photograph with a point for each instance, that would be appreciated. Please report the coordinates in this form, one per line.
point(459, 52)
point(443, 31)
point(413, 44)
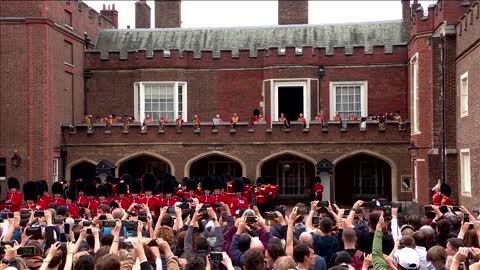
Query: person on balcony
point(234, 120)
point(284, 120)
point(196, 121)
point(162, 121)
point(302, 120)
point(179, 121)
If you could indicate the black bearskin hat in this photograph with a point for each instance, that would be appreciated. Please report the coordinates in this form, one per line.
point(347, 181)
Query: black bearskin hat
point(318, 179)
point(191, 185)
point(121, 188)
point(135, 187)
point(149, 182)
point(247, 181)
point(57, 188)
point(30, 191)
point(109, 188)
point(126, 178)
point(40, 188)
point(102, 191)
point(259, 181)
point(184, 180)
point(110, 179)
point(445, 189)
point(168, 187)
point(238, 185)
point(228, 177)
point(70, 193)
point(98, 180)
point(12, 182)
point(45, 186)
point(90, 189)
point(207, 183)
point(81, 187)
point(217, 183)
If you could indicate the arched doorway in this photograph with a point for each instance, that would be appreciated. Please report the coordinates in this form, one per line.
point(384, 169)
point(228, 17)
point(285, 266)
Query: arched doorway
point(215, 164)
point(362, 177)
point(292, 173)
point(138, 165)
point(85, 170)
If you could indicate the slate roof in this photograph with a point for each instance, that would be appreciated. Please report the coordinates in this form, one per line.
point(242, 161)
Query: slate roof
point(326, 36)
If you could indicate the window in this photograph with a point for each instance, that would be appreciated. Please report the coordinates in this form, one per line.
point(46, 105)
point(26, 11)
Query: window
point(348, 98)
point(68, 19)
point(3, 168)
point(291, 177)
point(160, 98)
point(68, 50)
point(415, 175)
point(464, 95)
point(55, 170)
point(224, 167)
point(415, 94)
point(465, 175)
point(368, 179)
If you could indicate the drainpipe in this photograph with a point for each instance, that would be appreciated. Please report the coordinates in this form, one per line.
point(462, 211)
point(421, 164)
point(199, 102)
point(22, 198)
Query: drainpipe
point(443, 141)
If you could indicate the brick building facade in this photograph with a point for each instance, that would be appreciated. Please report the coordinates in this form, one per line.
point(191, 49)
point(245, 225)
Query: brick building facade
point(292, 68)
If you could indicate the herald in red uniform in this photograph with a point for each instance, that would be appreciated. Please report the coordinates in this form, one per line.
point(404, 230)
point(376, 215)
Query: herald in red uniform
point(318, 188)
point(238, 202)
point(14, 197)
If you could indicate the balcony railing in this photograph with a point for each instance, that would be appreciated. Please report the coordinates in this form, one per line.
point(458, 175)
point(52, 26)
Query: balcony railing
point(347, 131)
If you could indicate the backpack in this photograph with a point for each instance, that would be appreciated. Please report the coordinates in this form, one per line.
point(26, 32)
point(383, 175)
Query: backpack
point(357, 260)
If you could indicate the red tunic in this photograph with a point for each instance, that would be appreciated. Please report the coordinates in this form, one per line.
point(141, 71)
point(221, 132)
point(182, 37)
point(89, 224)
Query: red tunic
point(92, 205)
point(169, 201)
point(247, 192)
point(206, 199)
point(219, 198)
point(46, 199)
point(238, 203)
point(32, 207)
point(58, 202)
point(437, 199)
point(262, 195)
point(82, 201)
point(446, 200)
point(16, 200)
point(199, 192)
point(188, 195)
point(318, 190)
point(73, 210)
point(124, 202)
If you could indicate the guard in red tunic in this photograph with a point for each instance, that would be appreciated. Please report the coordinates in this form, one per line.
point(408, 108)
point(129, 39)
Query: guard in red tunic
point(122, 198)
point(190, 187)
point(45, 198)
point(207, 187)
point(91, 192)
point(318, 188)
point(437, 195)
point(102, 194)
point(57, 190)
point(218, 196)
point(135, 192)
point(262, 195)
point(248, 189)
point(82, 199)
point(149, 190)
point(30, 194)
point(72, 207)
point(14, 197)
point(238, 202)
point(168, 189)
point(446, 191)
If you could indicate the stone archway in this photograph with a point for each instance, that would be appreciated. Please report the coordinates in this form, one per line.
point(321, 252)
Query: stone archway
point(139, 163)
point(82, 168)
point(215, 162)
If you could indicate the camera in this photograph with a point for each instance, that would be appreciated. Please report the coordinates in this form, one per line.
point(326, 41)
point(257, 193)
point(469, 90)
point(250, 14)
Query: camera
point(171, 210)
point(456, 209)
point(7, 243)
point(216, 256)
point(270, 215)
point(126, 244)
point(346, 212)
point(38, 214)
point(87, 223)
point(102, 217)
point(322, 204)
point(315, 220)
point(130, 224)
point(108, 223)
point(26, 251)
point(251, 219)
point(428, 208)
point(143, 218)
point(35, 232)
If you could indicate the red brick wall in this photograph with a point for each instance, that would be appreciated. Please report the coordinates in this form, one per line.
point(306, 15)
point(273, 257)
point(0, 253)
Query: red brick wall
point(142, 14)
point(468, 60)
point(292, 12)
point(167, 13)
point(21, 8)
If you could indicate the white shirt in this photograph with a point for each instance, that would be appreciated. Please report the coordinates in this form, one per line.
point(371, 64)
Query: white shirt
point(422, 255)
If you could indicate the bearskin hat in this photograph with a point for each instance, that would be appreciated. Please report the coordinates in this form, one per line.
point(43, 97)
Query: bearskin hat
point(149, 182)
point(168, 187)
point(70, 193)
point(113, 204)
point(98, 180)
point(259, 181)
point(40, 188)
point(318, 179)
point(184, 180)
point(30, 191)
point(126, 178)
point(238, 185)
point(228, 177)
point(102, 191)
point(57, 188)
point(121, 188)
point(217, 183)
point(135, 187)
point(191, 185)
point(110, 179)
point(90, 189)
point(247, 181)
point(81, 187)
point(445, 189)
point(12, 182)
point(109, 188)
point(207, 183)
point(45, 185)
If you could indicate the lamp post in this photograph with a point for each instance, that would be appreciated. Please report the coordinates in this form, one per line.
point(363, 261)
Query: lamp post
point(16, 160)
point(321, 74)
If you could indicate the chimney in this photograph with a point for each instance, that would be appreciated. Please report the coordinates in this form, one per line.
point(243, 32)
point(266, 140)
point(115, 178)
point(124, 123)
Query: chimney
point(110, 14)
point(292, 12)
point(168, 13)
point(142, 14)
point(406, 16)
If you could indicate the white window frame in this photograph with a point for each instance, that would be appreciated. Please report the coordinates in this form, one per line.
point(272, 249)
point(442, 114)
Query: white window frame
point(415, 95)
point(415, 176)
point(464, 95)
point(275, 84)
point(4, 177)
point(139, 96)
point(55, 164)
point(465, 172)
point(363, 95)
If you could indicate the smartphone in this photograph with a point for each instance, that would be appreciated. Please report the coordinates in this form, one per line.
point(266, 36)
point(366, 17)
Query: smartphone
point(322, 204)
point(346, 212)
point(102, 217)
point(7, 243)
point(456, 208)
point(130, 225)
point(216, 256)
point(127, 245)
point(39, 214)
point(251, 219)
point(108, 223)
point(24, 212)
point(315, 220)
point(66, 228)
point(171, 210)
point(466, 218)
point(10, 215)
point(26, 251)
point(87, 223)
point(365, 205)
point(89, 231)
point(428, 208)
point(270, 215)
point(143, 218)
point(63, 246)
point(152, 243)
point(35, 232)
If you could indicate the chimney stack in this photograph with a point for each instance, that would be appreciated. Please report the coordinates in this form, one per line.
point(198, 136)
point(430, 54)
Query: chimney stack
point(292, 12)
point(406, 16)
point(167, 13)
point(142, 14)
point(110, 14)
